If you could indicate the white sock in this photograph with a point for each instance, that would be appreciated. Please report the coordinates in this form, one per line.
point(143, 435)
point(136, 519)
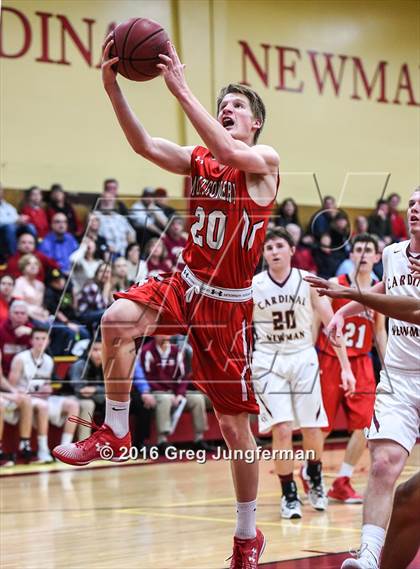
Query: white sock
point(43, 443)
point(116, 416)
point(373, 537)
point(66, 438)
point(346, 470)
point(246, 519)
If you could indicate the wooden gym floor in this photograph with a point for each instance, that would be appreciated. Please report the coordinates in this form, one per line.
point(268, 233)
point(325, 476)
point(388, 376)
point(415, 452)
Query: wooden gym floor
point(163, 516)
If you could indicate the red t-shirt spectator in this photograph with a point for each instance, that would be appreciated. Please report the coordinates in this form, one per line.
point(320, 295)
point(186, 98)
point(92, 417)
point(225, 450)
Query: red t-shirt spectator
point(398, 228)
point(38, 217)
point(11, 343)
point(47, 264)
point(303, 259)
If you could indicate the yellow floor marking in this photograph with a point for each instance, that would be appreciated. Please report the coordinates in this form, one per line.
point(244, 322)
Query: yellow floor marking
point(283, 523)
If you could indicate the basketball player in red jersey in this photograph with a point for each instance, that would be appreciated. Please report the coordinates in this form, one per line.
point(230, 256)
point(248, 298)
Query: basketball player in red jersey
point(396, 421)
point(403, 535)
point(234, 184)
point(359, 333)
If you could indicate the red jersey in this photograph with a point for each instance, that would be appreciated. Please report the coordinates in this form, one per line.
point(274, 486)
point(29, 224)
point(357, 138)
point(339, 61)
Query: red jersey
point(227, 227)
point(358, 329)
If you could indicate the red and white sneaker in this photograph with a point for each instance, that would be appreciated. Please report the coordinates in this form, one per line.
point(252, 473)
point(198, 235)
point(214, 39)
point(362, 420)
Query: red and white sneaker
point(343, 491)
point(304, 478)
point(247, 552)
point(101, 445)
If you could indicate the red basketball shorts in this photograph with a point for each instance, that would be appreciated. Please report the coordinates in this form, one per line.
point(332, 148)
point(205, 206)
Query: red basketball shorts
point(359, 407)
point(219, 332)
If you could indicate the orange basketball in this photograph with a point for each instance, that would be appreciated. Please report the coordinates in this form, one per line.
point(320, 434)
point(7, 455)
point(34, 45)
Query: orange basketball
point(138, 42)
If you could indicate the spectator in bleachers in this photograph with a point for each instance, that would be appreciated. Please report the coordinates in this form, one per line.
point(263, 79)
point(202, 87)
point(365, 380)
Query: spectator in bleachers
point(10, 222)
point(161, 200)
point(111, 188)
point(92, 232)
point(15, 333)
point(60, 300)
point(96, 296)
point(157, 258)
point(15, 408)
point(378, 268)
point(7, 283)
point(302, 259)
point(58, 202)
point(115, 228)
point(340, 235)
point(29, 288)
point(379, 222)
point(147, 217)
point(361, 225)
point(321, 221)
point(286, 212)
point(26, 244)
point(87, 380)
point(33, 208)
point(325, 259)
point(31, 372)
point(142, 404)
point(59, 244)
point(84, 263)
point(137, 268)
point(120, 279)
point(163, 365)
point(398, 226)
point(175, 239)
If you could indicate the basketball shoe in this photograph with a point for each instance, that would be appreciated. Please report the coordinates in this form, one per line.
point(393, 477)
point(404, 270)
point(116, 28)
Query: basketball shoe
point(315, 492)
point(290, 503)
point(247, 552)
point(363, 559)
point(101, 445)
point(343, 491)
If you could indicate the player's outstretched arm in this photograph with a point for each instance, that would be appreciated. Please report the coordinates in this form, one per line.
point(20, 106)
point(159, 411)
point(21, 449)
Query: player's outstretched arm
point(164, 153)
point(400, 307)
point(259, 159)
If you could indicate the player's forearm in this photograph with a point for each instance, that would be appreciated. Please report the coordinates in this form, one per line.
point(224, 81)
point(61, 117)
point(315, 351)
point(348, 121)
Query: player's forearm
point(137, 136)
point(215, 137)
point(357, 297)
point(400, 307)
point(342, 356)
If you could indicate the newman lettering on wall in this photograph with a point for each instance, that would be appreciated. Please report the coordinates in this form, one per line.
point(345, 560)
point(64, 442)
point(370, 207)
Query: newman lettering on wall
point(339, 85)
point(328, 71)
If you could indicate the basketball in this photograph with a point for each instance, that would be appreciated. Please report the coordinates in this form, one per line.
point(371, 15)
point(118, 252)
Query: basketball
point(138, 43)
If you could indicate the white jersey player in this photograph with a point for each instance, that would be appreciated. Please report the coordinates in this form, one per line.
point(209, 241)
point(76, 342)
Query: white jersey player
point(285, 366)
point(396, 419)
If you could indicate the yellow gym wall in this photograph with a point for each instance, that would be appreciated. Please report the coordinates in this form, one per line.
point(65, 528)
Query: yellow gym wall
point(58, 125)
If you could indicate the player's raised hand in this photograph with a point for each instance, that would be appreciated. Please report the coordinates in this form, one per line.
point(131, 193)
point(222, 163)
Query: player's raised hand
point(172, 71)
point(109, 72)
point(328, 288)
point(348, 382)
point(414, 266)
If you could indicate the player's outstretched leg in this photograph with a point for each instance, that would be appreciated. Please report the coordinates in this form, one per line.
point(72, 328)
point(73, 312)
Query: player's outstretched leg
point(249, 541)
point(122, 322)
point(387, 461)
point(403, 536)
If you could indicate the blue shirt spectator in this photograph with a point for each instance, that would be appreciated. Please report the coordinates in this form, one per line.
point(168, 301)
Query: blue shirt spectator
point(58, 243)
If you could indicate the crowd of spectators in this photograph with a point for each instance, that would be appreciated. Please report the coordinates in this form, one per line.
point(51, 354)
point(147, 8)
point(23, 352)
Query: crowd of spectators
point(58, 275)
